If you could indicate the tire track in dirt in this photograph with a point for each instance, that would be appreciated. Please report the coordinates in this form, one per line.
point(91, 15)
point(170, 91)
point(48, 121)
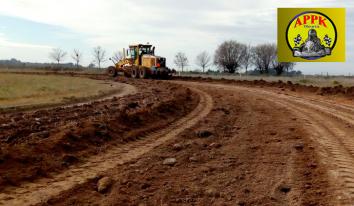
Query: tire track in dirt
point(42, 190)
point(331, 126)
point(335, 147)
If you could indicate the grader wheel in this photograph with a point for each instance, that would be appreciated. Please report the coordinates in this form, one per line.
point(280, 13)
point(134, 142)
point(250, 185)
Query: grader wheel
point(112, 72)
point(143, 73)
point(135, 72)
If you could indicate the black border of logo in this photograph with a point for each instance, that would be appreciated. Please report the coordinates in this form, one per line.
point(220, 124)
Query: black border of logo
point(316, 12)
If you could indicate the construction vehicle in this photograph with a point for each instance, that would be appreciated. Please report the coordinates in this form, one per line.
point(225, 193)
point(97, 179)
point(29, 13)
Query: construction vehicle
point(140, 61)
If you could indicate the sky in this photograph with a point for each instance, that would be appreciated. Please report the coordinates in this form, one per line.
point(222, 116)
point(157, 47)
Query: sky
point(30, 29)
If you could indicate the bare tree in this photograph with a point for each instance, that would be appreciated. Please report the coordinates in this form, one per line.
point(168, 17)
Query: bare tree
point(57, 55)
point(280, 67)
point(229, 56)
point(263, 55)
point(181, 60)
point(99, 55)
point(91, 65)
point(117, 56)
point(203, 60)
point(76, 56)
point(289, 66)
point(247, 58)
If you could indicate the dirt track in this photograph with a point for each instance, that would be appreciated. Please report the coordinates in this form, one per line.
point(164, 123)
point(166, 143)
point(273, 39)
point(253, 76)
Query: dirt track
point(266, 146)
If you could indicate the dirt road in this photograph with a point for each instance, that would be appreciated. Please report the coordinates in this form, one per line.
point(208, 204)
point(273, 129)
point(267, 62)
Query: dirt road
point(42, 190)
point(330, 127)
point(239, 145)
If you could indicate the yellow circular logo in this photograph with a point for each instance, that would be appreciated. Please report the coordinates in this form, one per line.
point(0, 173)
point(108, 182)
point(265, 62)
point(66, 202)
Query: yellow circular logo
point(311, 35)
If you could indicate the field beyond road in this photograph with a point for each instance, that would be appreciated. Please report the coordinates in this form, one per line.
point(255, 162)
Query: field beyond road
point(18, 90)
point(181, 142)
point(314, 80)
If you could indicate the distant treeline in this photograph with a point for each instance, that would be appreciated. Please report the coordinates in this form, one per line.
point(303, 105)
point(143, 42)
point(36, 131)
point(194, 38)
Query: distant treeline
point(232, 56)
point(255, 72)
point(17, 64)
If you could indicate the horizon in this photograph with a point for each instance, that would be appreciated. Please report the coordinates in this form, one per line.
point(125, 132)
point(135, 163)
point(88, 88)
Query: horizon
point(30, 30)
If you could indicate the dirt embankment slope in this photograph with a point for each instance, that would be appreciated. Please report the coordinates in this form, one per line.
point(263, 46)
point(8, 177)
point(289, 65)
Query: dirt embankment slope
point(246, 151)
point(38, 143)
point(323, 91)
point(240, 144)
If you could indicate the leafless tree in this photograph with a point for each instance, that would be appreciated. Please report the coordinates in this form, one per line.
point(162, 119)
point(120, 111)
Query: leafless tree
point(263, 55)
point(117, 56)
point(99, 55)
point(203, 60)
point(181, 60)
point(229, 56)
point(289, 67)
point(77, 56)
point(280, 67)
point(57, 55)
point(247, 58)
point(91, 65)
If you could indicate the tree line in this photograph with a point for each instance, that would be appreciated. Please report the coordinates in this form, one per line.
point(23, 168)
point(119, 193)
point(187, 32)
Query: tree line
point(99, 56)
point(231, 55)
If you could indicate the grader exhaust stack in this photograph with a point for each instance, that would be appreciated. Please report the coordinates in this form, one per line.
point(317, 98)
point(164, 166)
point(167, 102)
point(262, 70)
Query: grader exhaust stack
point(140, 61)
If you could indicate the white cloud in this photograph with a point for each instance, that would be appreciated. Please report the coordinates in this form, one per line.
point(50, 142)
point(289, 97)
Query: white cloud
point(190, 26)
point(23, 51)
point(6, 43)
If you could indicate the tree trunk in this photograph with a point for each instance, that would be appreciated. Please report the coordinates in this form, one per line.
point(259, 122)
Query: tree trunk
point(59, 65)
point(266, 70)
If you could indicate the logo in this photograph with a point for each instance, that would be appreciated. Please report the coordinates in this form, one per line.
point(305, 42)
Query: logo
point(311, 35)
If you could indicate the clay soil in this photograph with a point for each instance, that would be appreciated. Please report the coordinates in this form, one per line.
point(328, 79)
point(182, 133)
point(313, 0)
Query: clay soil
point(36, 144)
point(195, 142)
point(249, 159)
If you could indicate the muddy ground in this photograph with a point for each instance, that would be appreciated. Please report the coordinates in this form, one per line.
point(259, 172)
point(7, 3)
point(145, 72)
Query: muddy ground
point(38, 143)
point(255, 155)
point(184, 143)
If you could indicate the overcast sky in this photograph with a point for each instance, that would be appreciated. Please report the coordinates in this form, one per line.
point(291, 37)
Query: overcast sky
point(29, 29)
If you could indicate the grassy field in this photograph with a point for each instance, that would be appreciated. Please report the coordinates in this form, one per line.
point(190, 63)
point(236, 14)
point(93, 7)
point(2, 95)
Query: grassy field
point(42, 70)
point(28, 90)
point(322, 81)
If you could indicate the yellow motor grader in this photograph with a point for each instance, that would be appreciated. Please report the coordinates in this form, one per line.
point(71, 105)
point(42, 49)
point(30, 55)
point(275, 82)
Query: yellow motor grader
point(140, 61)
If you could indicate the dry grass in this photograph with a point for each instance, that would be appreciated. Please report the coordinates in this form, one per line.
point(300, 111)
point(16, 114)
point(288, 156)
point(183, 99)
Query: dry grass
point(322, 81)
point(42, 70)
point(28, 90)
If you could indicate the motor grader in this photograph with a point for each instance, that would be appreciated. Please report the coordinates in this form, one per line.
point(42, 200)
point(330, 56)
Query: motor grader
point(140, 61)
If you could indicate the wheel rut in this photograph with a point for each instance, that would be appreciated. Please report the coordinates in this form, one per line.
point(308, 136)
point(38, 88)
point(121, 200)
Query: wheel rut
point(330, 126)
point(44, 189)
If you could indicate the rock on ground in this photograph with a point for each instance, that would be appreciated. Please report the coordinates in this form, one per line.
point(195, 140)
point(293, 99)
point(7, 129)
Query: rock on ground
point(103, 184)
point(170, 161)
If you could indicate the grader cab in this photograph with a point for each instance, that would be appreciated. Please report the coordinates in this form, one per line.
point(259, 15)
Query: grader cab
point(140, 61)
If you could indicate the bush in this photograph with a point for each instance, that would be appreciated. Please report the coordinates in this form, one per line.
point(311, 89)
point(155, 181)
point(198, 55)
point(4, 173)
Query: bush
point(335, 82)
